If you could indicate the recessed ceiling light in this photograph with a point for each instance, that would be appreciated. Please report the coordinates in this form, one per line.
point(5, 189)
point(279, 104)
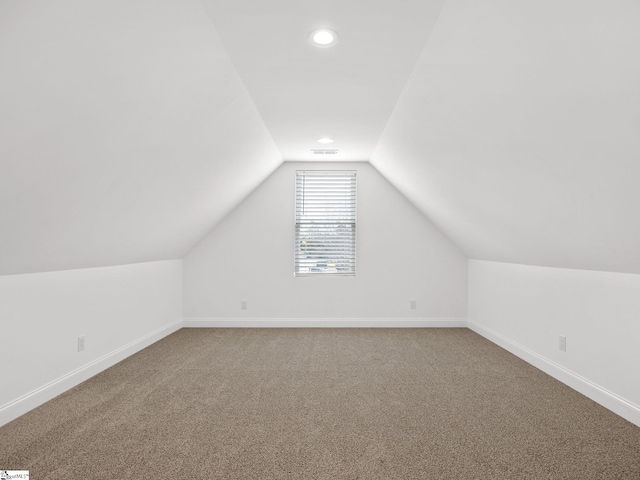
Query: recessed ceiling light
point(323, 38)
point(325, 140)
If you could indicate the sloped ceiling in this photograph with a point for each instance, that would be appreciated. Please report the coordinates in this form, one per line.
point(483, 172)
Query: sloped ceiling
point(125, 132)
point(128, 129)
point(518, 132)
point(345, 92)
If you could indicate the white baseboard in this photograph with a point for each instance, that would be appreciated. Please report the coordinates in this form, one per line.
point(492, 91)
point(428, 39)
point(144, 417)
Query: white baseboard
point(598, 394)
point(604, 397)
point(324, 322)
point(31, 400)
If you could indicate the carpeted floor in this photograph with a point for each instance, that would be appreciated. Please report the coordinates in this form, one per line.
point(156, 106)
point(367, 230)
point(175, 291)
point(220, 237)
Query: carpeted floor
point(322, 404)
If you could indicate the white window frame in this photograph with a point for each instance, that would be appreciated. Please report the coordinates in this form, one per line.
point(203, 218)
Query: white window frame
point(315, 190)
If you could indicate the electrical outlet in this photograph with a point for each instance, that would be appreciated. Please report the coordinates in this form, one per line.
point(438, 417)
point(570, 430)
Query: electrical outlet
point(563, 343)
point(81, 343)
point(412, 304)
point(243, 305)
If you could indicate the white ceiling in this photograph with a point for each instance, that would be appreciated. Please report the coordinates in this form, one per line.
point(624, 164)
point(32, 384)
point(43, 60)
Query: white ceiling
point(125, 132)
point(518, 133)
point(345, 92)
point(128, 129)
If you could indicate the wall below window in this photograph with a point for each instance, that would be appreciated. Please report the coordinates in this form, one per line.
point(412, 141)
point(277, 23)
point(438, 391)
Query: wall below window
point(400, 256)
point(526, 309)
point(119, 310)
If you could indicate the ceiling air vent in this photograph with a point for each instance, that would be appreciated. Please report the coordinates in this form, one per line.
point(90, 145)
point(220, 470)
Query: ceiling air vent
point(324, 151)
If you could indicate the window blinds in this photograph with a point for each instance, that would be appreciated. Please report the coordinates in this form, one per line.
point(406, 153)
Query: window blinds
point(325, 223)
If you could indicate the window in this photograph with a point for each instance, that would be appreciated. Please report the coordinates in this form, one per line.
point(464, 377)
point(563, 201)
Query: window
point(325, 223)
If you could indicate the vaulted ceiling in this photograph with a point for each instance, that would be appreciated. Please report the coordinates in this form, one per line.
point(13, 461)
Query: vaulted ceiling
point(518, 132)
point(129, 129)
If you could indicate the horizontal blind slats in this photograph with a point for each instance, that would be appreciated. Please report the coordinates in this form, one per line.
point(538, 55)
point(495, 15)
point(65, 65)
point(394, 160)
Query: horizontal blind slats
point(325, 218)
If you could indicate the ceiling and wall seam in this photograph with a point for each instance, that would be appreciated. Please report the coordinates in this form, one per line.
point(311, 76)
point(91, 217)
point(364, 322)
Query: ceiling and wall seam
point(426, 43)
point(517, 133)
point(422, 213)
point(239, 77)
point(128, 130)
point(125, 134)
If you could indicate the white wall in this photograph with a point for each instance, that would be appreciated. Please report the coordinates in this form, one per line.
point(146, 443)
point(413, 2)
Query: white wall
point(525, 309)
point(400, 256)
point(119, 309)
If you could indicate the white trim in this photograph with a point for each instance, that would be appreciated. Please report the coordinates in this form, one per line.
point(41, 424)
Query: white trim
point(37, 397)
point(324, 322)
point(626, 409)
point(604, 397)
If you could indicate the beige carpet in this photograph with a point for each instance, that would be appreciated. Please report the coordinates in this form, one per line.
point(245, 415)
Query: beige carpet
point(325, 404)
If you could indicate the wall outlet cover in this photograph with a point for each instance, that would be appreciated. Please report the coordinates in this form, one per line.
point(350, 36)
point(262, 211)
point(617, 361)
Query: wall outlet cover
point(563, 343)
